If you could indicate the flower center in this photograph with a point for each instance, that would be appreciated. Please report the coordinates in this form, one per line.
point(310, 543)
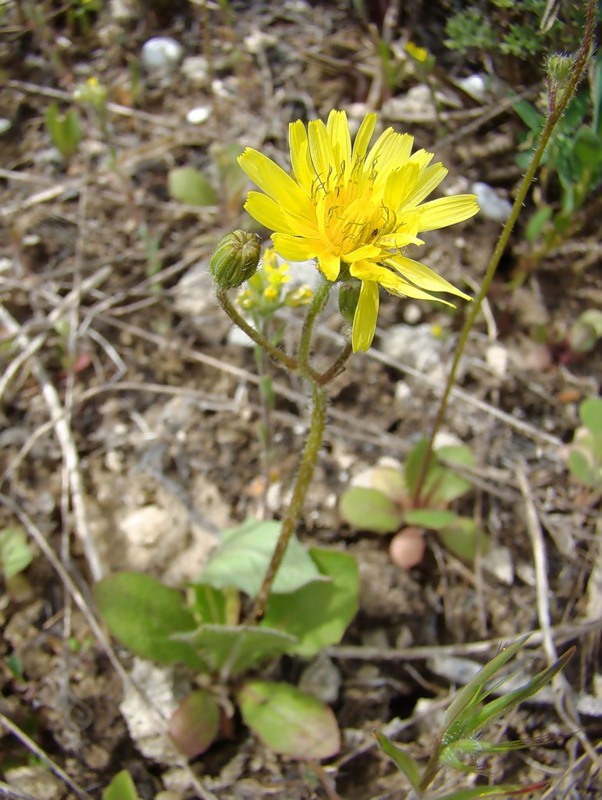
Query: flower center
point(352, 213)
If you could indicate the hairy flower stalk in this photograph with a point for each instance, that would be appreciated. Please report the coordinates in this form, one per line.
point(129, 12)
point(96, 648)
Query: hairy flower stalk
point(355, 208)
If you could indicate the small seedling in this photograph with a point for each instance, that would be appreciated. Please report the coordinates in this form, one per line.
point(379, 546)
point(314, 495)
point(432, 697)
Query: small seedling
point(460, 743)
point(585, 452)
point(64, 130)
point(386, 503)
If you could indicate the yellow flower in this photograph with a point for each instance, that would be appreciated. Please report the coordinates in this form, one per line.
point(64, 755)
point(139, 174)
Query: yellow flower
point(416, 52)
point(354, 208)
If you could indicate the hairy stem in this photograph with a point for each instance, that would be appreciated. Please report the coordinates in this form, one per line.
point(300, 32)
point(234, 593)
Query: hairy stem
point(556, 113)
point(302, 481)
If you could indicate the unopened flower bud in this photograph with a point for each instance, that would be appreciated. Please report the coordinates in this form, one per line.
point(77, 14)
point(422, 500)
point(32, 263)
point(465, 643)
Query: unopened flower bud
point(349, 294)
point(559, 68)
point(235, 259)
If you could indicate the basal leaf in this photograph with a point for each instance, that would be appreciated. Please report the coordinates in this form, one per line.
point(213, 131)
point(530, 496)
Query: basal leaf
point(194, 724)
point(187, 185)
point(289, 721)
point(144, 614)
point(402, 760)
point(370, 510)
point(430, 518)
point(236, 648)
point(121, 788)
point(243, 556)
point(464, 539)
point(318, 614)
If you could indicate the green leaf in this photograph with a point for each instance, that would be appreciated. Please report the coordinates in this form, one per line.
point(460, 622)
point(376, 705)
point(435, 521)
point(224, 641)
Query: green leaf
point(443, 484)
point(388, 481)
point(413, 464)
point(402, 760)
point(587, 148)
point(537, 223)
point(590, 412)
point(236, 648)
point(582, 468)
point(289, 721)
point(496, 708)
point(464, 539)
point(430, 518)
point(370, 510)
point(318, 614)
point(219, 606)
point(15, 552)
point(194, 724)
point(482, 791)
point(144, 614)
point(529, 115)
point(187, 185)
point(121, 788)
point(243, 556)
point(475, 686)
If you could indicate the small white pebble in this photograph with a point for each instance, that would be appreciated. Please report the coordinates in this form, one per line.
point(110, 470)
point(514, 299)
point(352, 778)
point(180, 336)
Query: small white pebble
point(475, 86)
point(198, 115)
point(412, 313)
point(161, 54)
point(492, 205)
point(496, 357)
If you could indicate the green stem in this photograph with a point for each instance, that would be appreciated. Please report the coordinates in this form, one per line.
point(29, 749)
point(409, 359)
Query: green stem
point(295, 509)
point(317, 304)
point(555, 114)
point(275, 352)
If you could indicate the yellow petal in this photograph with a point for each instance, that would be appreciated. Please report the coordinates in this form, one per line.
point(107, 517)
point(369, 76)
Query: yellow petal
point(365, 317)
point(422, 276)
point(340, 138)
point(295, 248)
point(391, 281)
point(267, 212)
point(320, 152)
point(299, 149)
point(274, 181)
point(330, 264)
point(362, 140)
point(366, 252)
point(427, 183)
point(447, 211)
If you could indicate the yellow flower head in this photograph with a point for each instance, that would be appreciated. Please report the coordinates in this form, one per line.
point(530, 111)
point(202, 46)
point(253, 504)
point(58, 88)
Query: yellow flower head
point(416, 52)
point(354, 208)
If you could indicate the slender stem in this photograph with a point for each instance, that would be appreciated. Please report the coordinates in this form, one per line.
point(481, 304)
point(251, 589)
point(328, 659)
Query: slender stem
point(317, 304)
point(275, 352)
point(555, 114)
point(302, 481)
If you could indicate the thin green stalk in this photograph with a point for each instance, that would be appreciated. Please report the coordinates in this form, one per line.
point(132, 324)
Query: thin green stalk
point(295, 509)
point(275, 352)
point(317, 304)
point(556, 113)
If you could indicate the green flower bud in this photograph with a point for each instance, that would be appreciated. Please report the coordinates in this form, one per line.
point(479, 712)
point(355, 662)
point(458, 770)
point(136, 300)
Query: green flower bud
point(559, 68)
point(349, 294)
point(235, 259)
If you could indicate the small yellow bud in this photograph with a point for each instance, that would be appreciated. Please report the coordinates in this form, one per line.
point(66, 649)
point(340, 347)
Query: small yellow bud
point(298, 297)
point(235, 259)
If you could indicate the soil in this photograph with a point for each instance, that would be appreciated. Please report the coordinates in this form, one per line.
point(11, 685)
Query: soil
point(130, 409)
